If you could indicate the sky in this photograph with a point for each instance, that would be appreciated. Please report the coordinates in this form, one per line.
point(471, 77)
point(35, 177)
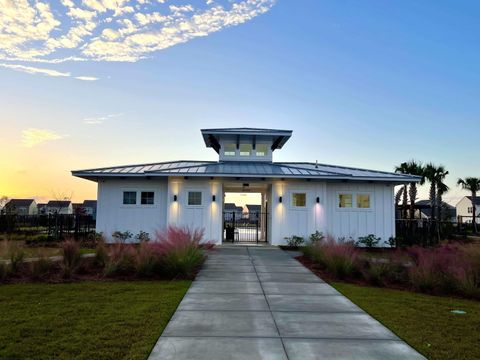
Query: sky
point(369, 84)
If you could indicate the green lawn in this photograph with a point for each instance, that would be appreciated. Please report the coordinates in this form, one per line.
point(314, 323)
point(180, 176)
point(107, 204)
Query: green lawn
point(88, 320)
point(424, 321)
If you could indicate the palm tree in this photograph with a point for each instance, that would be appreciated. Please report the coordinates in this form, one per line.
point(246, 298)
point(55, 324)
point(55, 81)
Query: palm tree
point(442, 188)
point(414, 168)
point(430, 175)
point(473, 185)
point(402, 169)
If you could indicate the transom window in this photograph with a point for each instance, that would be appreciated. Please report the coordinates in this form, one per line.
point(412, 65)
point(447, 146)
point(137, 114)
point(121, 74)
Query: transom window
point(245, 149)
point(299, 199)
point(147, 198)
point(345, 200)
point(194, 198)
point(363, 201)
point(129, 197)
point(229, 150)
point(261, 150)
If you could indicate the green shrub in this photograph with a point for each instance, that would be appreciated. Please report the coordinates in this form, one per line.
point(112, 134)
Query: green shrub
point(295, 241)
point(101, 255)
point(17, 256)
point(122, 236)
point(317, 236)
point(368, 241)
point(142, 236)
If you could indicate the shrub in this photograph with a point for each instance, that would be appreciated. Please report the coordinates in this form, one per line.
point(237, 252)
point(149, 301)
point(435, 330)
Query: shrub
point(317, 236)
point(179, 251)
point(122, 237)
point(3, 271)
point(17, 256)
point(101, 254)
point(295, 241)
point(71, 257)
point(122, 260)
point(142, 236)
point(368, 241)
point(392, 242)
point(148, 261)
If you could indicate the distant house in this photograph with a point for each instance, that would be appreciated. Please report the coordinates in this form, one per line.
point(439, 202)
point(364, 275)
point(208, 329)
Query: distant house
point(230, 209)
point(21, 207)
point(59, 207)
point(90, 208)
point(42, 208)
point(254, 212)
point(424, 210)
point(78, 209)
point(465, 209)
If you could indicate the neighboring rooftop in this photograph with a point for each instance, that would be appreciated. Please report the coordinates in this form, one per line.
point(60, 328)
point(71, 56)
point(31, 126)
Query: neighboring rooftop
point(59, 203)
point(232, 169)
point(20, 202)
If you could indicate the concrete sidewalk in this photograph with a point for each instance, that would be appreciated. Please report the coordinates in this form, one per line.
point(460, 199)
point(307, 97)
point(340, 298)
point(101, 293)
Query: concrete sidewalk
point(260, 303)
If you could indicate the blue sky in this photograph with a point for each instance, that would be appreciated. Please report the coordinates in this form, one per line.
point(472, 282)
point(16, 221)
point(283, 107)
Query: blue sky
point(361, 83)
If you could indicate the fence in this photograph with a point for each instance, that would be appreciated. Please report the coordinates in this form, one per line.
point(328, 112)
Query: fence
point(251, 228)
point(428, 232)
point(54, 225)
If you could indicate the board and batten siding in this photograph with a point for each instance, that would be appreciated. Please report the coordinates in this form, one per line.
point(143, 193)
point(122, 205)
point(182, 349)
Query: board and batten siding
point(353, 222)
point(113, 215)
point(208, 215)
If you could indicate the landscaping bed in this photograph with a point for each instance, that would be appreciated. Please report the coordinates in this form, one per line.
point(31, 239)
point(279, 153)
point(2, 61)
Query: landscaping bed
point(87, 320)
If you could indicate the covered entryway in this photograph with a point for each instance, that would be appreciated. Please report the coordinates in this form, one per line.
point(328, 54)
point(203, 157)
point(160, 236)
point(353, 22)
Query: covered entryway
point(245, 214)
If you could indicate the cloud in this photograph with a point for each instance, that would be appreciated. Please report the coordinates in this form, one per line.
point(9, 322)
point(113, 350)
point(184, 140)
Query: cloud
point(43, 71)
point(100, 119)
point(111, 30)
point(32, 137)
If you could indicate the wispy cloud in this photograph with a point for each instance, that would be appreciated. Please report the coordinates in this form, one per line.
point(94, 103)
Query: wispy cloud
point(44, 71)
point(100, 119)
point(104, 30)
point(32, 137)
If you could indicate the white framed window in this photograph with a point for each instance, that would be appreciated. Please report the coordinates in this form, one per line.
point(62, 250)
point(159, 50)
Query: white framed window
point(129, 198)
point(245, 149)
point(194, 198)
point(345, 200)
point(261, 150)
point(299, 199)
point(147, 198)
point(363, 201)
point(229, 149)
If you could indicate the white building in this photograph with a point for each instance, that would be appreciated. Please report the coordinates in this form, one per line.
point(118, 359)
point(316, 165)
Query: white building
point(297, 198)
point(465, 209)
point(21, 207)
point(61, 207)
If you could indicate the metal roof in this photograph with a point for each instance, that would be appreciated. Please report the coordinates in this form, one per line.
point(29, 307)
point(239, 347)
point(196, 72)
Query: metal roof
point(278, 137)
point(234, 169)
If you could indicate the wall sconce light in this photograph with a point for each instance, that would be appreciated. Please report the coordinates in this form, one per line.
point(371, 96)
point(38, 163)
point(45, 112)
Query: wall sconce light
point(318, 199)
point(174, 197)
point(280, 199)
point(213, 198)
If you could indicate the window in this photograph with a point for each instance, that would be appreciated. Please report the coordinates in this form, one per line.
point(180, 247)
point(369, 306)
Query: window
point(147, 198)
point(299, 199)
point(245, 149)
point(262, 150)
point(345, 200)
point(129, 197)
point(470, 210)
point(363, 201)
point(194, 198)
point(230, 150)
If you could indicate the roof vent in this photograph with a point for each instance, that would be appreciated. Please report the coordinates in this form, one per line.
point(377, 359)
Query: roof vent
point(316, 164)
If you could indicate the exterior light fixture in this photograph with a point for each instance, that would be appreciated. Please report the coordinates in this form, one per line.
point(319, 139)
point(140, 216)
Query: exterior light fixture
point(175, 197)
point(318, 199)
point(213, 198)
point(280, 199)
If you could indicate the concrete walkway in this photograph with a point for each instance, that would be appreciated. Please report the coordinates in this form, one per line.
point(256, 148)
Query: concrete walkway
point(260, 303)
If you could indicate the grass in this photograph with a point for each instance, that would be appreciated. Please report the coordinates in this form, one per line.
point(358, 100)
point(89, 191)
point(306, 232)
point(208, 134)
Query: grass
point(423, 321)
point(88, 320)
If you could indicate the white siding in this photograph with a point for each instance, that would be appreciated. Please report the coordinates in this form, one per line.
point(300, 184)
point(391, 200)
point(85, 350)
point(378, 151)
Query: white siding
point(462, 210)
point(208, 215)
point(112, 215)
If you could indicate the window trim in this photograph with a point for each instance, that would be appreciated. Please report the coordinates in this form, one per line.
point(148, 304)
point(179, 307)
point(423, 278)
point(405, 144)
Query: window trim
point(229, 153)
point(299, 207)
point(129, 191)
point(188, 191)
point(354, 200)
point(147, 191)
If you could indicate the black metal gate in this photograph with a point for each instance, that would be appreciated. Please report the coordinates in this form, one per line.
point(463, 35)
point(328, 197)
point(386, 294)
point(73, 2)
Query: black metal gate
point(244, 227)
